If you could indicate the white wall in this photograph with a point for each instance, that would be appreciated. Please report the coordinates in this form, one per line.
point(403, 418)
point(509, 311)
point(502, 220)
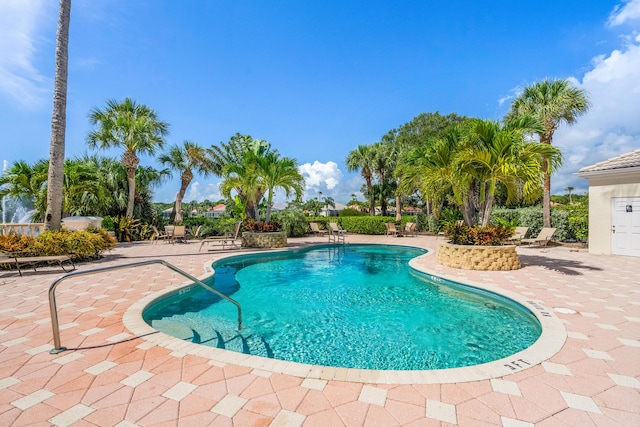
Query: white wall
point(601, 190)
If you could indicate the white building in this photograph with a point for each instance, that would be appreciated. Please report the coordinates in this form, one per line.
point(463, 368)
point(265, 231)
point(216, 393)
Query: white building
point(614, 205)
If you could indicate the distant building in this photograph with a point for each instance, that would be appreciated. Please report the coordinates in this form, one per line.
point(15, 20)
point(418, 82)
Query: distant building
point(216, 212)
point(614, 205)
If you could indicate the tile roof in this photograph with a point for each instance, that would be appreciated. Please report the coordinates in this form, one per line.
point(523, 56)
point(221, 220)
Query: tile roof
point(628, 160)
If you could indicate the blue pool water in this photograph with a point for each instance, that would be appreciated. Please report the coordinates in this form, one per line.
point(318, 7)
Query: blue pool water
point(354, 306)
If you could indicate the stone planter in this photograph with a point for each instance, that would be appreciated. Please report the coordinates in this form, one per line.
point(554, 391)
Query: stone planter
point(276, 239)
point(489, 258)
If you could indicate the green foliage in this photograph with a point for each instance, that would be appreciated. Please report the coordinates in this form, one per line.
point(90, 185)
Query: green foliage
point(578, 216)
point(352, 212)
point(80, 245)
point(479, 236)
point(366, 224)
point(108, 223)
point(532, 217)
point(293, 221)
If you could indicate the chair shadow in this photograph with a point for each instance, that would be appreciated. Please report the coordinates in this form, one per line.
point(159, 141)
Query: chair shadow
point(562, 266)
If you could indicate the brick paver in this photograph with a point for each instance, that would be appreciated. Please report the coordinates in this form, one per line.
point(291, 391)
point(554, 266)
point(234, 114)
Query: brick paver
point(111, 376)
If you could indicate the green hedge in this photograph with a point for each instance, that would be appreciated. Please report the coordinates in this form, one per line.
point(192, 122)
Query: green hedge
point(532, 217)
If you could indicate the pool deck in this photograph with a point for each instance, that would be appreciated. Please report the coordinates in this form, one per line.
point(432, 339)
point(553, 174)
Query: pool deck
point(114, 376)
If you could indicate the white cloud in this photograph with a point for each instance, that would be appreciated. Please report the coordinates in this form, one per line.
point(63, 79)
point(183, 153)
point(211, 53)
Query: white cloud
point(320, 176)
point(200, 192)
point(612, 126)
point(20, 23)
point(624, 12)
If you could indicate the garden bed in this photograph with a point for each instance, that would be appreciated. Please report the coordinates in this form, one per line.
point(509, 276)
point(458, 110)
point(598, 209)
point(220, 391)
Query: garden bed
point(277, 239)
point(470, 257)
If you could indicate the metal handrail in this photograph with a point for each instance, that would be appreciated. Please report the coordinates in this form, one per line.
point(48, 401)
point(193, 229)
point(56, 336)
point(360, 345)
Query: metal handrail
point(52, 296)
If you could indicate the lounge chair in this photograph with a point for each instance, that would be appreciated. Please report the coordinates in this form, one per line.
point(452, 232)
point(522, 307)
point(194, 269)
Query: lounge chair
point(157, 235)
point(34, 261)
point(391, 229)
point(336, 233)
point(410, 229)
point(228, 239)
point(517, 236)
point(315, 229)
point(542, 239)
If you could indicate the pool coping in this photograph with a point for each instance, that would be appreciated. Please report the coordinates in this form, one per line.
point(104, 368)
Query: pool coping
point(549, 343)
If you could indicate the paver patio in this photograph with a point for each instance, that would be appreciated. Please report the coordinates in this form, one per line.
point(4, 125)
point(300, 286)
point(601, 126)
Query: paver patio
point(113, 377)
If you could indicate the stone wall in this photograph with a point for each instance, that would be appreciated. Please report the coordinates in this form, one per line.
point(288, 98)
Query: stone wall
point(467, 257)
point(276, 239)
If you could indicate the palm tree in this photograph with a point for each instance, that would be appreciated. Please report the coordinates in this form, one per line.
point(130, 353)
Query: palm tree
point(552, 102)
point(27, 184)
point(185, 159)
point(497, 152)
point(362, 159)
point(243, 178)
point(53, 217)
point(228, 162)
point(569, 190)
point(131, 126)
point(278, 172)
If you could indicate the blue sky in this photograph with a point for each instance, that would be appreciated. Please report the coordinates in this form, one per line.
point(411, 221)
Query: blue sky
point(317, 78)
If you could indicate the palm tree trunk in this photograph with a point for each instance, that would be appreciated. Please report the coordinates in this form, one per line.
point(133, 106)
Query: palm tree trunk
point(131, 180)
point(187, 176)
point(372, 201)
point(53, 217)
point(546, 198)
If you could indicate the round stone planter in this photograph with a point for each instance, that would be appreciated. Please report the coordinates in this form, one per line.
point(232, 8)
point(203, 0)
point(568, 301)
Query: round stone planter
point(488, 258)
point(276, 239)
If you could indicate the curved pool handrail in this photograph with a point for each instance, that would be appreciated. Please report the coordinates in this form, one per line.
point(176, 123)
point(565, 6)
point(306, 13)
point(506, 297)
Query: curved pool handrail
point(54, 310)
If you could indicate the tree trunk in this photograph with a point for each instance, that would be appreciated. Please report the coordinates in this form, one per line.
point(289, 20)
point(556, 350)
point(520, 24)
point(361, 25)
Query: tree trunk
point(55, 180)
point(487, 209)
point(546, 198)
point(130, 162)
point(372, 200)
point(398, 208)
point(186, 178)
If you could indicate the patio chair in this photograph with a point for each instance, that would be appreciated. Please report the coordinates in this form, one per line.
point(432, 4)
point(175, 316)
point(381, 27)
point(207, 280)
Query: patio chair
point(336, 233)
point(391, 229)
point(542, 239)
point(157, 235)
point(410, 229)
point(315, 229)
point(227, 239)
point(517, 236)
point(180, 234)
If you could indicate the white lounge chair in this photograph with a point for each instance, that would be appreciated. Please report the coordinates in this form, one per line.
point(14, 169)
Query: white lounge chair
point(228, 239)
point(542, 239)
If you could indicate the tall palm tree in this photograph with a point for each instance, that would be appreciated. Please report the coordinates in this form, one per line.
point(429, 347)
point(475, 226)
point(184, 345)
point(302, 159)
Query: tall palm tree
point(278, 172)
point(552, 102)
point(569, 190)
point(498, 152)
point(53, 217)
point(362, 159)
point(131, 126)
point(185, 159)
point(228, 162)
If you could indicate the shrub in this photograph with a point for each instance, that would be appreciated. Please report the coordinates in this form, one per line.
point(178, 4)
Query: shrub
point(80, 245)
point(532, 217)
point(352, 212)
point(366, 224)
point(293, 222)
point(261, 227)
point(491, 235)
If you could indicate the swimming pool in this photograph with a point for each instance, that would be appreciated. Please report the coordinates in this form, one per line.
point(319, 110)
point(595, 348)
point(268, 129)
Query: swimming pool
point(350, 306)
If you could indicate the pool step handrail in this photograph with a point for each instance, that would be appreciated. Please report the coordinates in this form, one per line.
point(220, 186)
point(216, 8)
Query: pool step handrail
point(58, 348)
